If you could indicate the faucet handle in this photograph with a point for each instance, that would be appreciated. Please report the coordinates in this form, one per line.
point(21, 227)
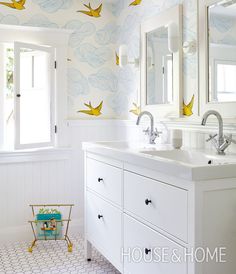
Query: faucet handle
point(211, 137)
point(157, 133)
point(229, 139)
point(146, 131)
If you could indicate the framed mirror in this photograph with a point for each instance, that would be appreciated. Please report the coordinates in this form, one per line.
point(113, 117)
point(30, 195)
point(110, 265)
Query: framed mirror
point(217, 56)
point(161, 63)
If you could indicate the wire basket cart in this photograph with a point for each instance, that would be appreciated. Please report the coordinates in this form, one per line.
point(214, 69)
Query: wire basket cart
point(48, 223)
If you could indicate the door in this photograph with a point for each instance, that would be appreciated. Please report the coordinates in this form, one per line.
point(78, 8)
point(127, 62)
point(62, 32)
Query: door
point(34, 84)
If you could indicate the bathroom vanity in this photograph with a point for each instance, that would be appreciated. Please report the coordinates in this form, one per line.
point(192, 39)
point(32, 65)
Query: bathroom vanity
point(148, 208)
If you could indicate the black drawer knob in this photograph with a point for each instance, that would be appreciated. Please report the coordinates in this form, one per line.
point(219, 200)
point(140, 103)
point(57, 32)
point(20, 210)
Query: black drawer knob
point(147, 251)
point(100, 216)
point(18, 95)
point(100, 180)
point(147, 201)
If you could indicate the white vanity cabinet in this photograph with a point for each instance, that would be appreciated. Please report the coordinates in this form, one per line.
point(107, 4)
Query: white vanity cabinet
point(145, 221)
point(103, 207)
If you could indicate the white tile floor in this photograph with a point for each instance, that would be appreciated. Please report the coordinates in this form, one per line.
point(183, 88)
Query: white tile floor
point(51, 257)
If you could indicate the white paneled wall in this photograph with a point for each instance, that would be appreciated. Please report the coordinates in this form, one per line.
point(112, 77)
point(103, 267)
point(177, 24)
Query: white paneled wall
point(31, 182)
point(50, 178)
point(58, 177)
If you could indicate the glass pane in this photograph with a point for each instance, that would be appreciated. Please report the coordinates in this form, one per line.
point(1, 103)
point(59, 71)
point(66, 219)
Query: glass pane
point(159, 68)
point(35, 120)
point(226, 82)
point(222, 51)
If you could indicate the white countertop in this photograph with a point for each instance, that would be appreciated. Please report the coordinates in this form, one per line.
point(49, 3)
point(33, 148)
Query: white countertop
point(137, 154)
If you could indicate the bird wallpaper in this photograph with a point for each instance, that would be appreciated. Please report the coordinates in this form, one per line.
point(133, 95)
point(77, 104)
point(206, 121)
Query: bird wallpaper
point(19, 5)
point(99, 28)
point(94, 111)
point(188, 109)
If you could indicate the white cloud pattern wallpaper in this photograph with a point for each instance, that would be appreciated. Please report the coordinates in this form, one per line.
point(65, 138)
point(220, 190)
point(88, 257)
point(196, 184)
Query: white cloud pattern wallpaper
point(97, 87)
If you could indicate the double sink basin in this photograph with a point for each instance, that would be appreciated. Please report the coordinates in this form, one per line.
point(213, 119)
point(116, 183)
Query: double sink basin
point(187, 164)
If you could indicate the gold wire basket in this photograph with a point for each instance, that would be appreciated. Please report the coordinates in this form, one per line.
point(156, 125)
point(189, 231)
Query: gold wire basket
point(50, 227)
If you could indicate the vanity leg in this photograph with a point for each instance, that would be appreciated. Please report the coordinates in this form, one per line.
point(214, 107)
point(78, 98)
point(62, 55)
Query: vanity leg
point(88, 250)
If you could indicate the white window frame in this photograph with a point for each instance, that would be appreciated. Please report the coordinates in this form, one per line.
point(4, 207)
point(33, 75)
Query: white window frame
point(58, 39)
point(227, 109)
point(17, 73)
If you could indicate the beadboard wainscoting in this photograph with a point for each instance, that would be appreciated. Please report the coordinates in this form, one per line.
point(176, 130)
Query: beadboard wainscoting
point(33, 178)
point(51, 176)
point(57, 176)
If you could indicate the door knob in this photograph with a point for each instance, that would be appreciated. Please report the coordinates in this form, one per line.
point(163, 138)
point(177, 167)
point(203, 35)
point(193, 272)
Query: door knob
point(147, 201)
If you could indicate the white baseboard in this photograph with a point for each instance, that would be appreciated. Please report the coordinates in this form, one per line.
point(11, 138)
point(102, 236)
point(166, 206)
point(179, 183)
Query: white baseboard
point(24, 233)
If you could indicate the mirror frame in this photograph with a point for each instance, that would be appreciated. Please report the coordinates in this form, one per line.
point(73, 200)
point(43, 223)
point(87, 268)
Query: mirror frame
point(226, 109)
point(174, 110)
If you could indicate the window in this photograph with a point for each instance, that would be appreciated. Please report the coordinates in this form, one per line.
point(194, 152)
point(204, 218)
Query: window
point(225, 81)
point(34, 95)
point(29, 99)
point(27, 69)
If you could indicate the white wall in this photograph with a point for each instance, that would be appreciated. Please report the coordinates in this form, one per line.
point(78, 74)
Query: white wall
point(50, 177)
point(58, 177)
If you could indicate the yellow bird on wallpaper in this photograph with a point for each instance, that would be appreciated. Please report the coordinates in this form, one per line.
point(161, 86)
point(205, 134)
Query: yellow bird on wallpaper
point(117, 59)
point(188, 109)
point(19, 5)
point(92, 12)
point(92, 111)
point(136, 110)
point(135, 3)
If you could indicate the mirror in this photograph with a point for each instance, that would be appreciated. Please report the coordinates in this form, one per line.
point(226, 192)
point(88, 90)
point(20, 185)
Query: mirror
point(217, 56)
point(222, 51)
point(159, 68)
point(161, 63)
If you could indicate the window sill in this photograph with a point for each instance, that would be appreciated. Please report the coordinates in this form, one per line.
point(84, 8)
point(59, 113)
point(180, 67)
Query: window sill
point(34, 155)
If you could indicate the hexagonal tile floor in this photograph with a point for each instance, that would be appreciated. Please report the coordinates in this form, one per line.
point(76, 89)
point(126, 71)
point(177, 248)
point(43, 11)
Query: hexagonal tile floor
point(51, 257)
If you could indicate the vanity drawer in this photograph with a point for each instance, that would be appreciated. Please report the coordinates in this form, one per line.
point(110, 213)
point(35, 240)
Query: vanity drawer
point(103, 228)
point(105, 180)
point(144, 251)
point(160, 204)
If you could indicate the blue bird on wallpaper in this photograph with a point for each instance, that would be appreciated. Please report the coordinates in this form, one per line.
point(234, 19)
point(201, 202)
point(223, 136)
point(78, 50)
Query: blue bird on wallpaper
point(52, 6)
point(81, 31)
point(108, 34)
point(104, 80)
point(95, 57)
point(41, 21)
point(77, 83)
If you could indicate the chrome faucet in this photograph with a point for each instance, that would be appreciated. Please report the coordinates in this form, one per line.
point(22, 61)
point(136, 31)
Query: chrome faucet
point(223, 141)
point(153, 134)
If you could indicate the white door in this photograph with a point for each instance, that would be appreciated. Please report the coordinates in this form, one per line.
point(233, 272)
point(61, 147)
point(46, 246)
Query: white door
point(34, 83)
